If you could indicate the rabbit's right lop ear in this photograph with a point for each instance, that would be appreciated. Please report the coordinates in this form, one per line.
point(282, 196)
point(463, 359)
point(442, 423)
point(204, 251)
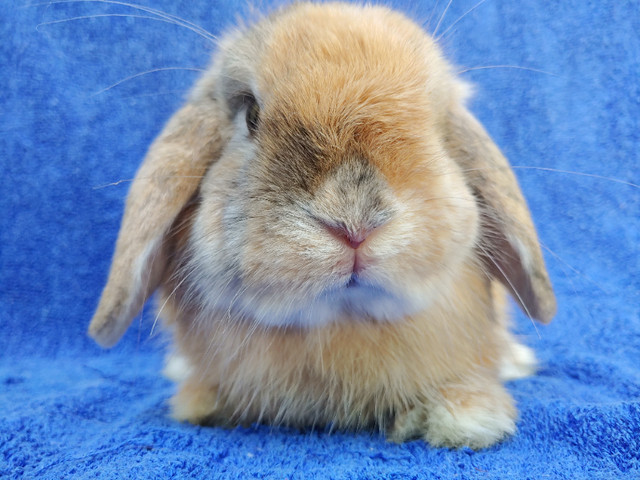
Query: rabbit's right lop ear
point(168, 178)
point(509, 244)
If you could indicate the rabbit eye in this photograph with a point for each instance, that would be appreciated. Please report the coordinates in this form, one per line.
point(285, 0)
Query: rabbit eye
point(253, 115)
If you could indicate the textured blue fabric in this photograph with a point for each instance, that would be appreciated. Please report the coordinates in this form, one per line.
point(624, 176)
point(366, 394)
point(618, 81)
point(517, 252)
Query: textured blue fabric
point(68, 137)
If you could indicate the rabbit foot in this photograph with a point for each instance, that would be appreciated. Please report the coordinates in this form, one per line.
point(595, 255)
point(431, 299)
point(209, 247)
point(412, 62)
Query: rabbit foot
point(518, 362)
point(176, 368)
point(476, 419)
point(195, 403)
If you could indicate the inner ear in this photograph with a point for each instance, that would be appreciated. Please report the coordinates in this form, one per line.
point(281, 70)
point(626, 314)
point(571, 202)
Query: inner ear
point(176, 245)
point(506, 260)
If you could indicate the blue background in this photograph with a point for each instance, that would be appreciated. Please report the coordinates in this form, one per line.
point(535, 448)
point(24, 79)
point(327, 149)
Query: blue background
point(68, 138)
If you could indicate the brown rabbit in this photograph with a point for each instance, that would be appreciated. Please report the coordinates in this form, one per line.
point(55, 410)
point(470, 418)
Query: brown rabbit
point(333, 234)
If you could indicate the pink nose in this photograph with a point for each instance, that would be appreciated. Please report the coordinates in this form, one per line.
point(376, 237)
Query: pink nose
point(353, 239)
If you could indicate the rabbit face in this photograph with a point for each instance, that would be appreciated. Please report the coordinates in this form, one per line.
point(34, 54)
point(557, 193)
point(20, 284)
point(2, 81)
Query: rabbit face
point(330, 203)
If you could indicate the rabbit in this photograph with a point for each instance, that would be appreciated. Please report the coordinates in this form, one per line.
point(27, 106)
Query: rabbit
point(333, 237)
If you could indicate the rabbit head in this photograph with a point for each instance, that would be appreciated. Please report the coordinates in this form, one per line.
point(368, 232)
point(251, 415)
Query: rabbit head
point(325, 167)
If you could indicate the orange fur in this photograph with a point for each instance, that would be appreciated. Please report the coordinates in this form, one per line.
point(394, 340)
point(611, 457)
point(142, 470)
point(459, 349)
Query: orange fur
point(278, 314)
point(351, 374)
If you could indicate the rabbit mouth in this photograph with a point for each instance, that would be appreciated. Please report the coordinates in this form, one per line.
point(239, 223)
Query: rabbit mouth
point(353, 281)
point(350, 300)
point(353, 299)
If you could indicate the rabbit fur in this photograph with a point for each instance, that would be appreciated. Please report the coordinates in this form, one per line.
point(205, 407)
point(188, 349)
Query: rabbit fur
point(333, 236)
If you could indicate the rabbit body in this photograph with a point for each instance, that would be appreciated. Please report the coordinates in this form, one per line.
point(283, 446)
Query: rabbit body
point(433, 375)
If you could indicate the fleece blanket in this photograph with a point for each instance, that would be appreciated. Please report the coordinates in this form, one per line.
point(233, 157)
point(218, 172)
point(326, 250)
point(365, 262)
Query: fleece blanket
point(84, 88)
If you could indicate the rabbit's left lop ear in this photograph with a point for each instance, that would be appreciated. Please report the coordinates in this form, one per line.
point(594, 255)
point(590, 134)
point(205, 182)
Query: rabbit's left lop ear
point(508, 244)
point(167, 179)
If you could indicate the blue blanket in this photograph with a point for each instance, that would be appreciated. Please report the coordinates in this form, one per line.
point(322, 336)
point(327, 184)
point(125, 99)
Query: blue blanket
point(84, 88)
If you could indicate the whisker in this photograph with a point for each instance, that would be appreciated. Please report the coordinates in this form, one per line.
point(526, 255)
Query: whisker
point(101, 15)
point(513, 289)
point(574, 270)
point(442, 17)
point(582, 174)
point(164, 304)
point(159, 13)
point(126, 180)
point(516, 67)
point(159, 93)
point(544, 169)
point(163, 69)
point(114, 184)
point(433, 11)
point(454, 23)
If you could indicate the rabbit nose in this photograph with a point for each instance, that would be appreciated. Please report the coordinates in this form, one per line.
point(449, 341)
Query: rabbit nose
point(352, 237)
point(355, 239)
